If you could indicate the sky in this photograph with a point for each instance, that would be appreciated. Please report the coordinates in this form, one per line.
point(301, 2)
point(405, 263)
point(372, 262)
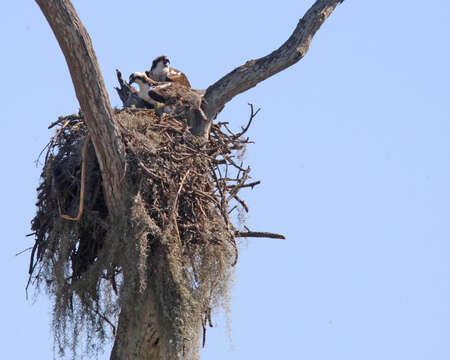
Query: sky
point(351, 147)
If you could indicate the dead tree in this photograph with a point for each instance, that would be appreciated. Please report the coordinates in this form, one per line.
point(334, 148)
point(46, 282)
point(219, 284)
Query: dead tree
point(139, 327)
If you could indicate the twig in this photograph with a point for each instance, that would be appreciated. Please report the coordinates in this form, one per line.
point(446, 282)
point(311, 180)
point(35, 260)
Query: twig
point(208, 196)
point(232, 241)
point(235, 188)
point(147, 170)
point(32, 264)
point(62, 118)
point(256, 234)
point(252, 116)
point(232, 209)
point(201, 207)
point(206, 320)
point(252, 185)
point(228, 158)
point(60, 130)
point(105, 318)
point(178, 192)
point(209, 318)
point(174, 206)
point(220, 162)
point(83, 176)
point(27, 249)
point(229, 130)
point(52, 140)
point(240, 201)
point(204, 329)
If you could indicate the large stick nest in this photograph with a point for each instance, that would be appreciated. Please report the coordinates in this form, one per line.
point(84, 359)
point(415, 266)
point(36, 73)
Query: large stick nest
point(179, 186)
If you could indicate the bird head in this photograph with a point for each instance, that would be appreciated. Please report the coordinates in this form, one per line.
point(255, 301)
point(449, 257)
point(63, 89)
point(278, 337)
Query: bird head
point(137, 77)
point(160, 63)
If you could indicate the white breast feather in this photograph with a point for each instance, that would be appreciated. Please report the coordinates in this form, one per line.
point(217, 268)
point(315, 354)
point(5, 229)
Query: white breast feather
point(160, 72)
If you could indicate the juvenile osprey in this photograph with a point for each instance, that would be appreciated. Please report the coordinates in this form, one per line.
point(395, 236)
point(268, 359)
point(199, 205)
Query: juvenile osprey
point(172, 98)
point(160, 71)
point(147, 87)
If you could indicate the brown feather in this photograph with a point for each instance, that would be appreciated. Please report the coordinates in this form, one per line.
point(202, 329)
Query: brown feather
point(178, 77)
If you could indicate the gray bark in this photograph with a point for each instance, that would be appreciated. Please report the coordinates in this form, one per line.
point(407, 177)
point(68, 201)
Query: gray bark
point(163, 322)
point(254, 71)
point(90, 90)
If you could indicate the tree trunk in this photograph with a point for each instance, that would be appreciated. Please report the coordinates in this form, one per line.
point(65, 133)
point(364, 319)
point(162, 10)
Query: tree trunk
point(158, 323)
point(94, 101)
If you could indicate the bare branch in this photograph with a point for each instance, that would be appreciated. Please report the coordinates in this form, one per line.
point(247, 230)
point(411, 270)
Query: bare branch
point(90, 89)
point(256, 234)
point(255, 71)
point(252, 185)
point(252, 116)
point(25, 250)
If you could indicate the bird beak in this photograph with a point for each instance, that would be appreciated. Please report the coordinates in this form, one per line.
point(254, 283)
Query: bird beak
point(166, 63)
point(131, 80)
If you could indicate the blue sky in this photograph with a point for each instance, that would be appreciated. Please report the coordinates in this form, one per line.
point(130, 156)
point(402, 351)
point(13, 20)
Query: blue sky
point(351, 147)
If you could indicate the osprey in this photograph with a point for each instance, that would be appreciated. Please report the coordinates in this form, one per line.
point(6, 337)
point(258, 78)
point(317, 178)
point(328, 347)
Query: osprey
point(174, 99)
point(160, 71)
point(147, 87)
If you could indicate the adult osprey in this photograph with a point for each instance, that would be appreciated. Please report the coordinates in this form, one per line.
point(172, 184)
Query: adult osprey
point(160, 71)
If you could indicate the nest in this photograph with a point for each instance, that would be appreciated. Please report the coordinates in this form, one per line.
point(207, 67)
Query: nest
point(183, 193)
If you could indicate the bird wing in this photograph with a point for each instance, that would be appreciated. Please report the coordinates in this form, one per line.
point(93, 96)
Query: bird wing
point(179, 77)
point(163, 93)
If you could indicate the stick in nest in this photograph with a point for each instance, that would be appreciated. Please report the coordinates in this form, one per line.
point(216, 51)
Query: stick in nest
point(259, 234)
point(174, 206)
point(83, 176)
